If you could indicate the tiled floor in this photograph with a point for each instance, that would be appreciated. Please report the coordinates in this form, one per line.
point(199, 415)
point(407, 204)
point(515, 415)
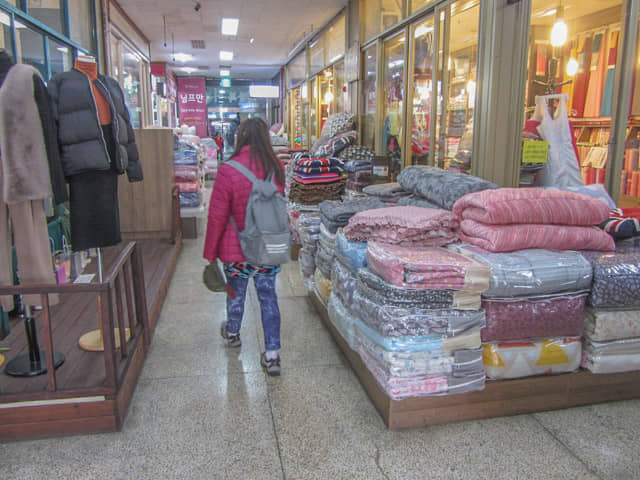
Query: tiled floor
point(203, 411)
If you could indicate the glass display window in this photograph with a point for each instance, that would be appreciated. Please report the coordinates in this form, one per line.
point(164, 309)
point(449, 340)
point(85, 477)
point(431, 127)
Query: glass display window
point(131, 86)
point(378, 16)
point(314, 128)
point(326, 103)
point(49, 12)
point(422, 105)
point(573, 50)
point(316, 55)
point(394, 91)
point(369, 97)
point(629, 195)
point(5, 32)
point(335, 40)
point(415, 5)
point(458, 27)
point(81, 25)
point(340, 87)
point(60, 57)
point(30, 48)
point(297, 70)
point(298, 124)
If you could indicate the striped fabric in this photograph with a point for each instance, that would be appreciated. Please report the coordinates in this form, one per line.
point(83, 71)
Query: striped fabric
point(531, 206)
point(508, 238)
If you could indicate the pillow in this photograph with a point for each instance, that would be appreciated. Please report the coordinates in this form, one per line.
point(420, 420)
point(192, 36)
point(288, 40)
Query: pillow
point(337, 144)
point(337, 123)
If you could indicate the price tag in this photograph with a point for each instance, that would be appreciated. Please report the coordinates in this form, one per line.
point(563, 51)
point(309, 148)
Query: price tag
point(534, 151)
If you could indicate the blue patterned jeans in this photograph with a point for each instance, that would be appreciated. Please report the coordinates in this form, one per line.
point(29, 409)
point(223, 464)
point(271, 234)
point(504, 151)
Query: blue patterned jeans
point(266, 288)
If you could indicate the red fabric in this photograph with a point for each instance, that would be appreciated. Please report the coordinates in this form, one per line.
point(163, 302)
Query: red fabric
point(230, 196)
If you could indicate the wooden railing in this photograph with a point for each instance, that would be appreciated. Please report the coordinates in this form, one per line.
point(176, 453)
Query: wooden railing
point(123, 282)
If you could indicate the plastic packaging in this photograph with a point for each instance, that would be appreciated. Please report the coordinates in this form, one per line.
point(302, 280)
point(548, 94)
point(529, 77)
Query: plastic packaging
point(531, 272)
point(607, 325)
point(345, 282)
point(616, 280)
point(307, 265)
point(322, 286)
point(379, 290)
point(342, 319)
point(431, 267)
point(517, 318)
point(190, 199)
point(353, 254)
point(503, 360)
point(612, 357)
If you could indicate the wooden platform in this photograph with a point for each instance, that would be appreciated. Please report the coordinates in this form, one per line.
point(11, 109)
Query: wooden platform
point(498, 399)
point(83, 402)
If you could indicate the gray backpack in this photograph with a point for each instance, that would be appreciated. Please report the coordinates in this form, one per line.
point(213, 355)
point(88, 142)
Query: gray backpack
point(266, 239)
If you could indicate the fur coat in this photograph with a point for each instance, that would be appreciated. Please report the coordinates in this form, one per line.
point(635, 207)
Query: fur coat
point(23, 155)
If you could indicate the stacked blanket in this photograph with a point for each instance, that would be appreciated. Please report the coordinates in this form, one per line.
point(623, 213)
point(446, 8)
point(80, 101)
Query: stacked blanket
point(440, 187)
point(336, 214)
point(352, 254)
point(434, 268)
point(326, 251)
point(416, 201)
point(313, 193)
point(612, 326)
point(387, 192)
point(357, 164)
point(315, 166)
point(403, 226)
point(511, 219)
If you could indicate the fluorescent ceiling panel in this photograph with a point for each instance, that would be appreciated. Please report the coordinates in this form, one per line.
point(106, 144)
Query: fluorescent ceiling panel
point(230, 26)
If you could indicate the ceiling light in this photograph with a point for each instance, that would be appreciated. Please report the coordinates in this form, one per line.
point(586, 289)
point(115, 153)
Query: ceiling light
point(183, 57)
point(189, 69)
point(225, 72)
point(559, 32)
point(226, 56)
point(264, 91)
point(230, 26)
point(251, 40)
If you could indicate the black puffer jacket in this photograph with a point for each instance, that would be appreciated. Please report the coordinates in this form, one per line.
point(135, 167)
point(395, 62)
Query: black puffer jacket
point(82, 144)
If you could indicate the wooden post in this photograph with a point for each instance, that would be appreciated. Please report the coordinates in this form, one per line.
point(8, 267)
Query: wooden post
point(48, 342)
point(122, 329)
point(105, 301)
point(129, 296)
point(140, 294)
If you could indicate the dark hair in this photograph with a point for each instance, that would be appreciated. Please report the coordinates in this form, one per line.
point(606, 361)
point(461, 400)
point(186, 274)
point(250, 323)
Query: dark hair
point(255, 133)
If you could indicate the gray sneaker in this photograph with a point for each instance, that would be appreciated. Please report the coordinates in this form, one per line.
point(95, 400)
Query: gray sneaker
point(271, 366)
point(233, 339)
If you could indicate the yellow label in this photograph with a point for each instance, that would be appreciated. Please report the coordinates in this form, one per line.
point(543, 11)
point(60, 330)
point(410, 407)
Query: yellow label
point(534, 151)
point(490, 357)
point(552, 354)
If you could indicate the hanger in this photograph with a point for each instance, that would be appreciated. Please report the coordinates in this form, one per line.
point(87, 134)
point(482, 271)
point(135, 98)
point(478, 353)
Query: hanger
point(553, 96)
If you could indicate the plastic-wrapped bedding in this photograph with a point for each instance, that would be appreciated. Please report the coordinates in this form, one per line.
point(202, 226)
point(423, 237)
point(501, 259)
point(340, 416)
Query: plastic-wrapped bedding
point(378, 290)
point(604, 325)
point(399, 388)
point(322, 286)
point(515, 318)
point(345, 282)
point(324, 261)
point(391, 321)
point(342, 319)
point(353, 254)
point(612, 357)
point(428, 267)
point(616, 280)
point(531, 272)
point(503, 360)
point(507, 238)
point(307, 265)
point(531, 206)
point(410, 226)
point(337, 213)
point(442, 187)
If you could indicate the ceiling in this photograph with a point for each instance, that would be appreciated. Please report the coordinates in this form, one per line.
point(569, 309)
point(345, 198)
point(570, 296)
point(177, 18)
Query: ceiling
point(276, 25)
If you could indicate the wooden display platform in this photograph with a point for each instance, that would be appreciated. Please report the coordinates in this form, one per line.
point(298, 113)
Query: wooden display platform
point(91, 391)
point(498, 399)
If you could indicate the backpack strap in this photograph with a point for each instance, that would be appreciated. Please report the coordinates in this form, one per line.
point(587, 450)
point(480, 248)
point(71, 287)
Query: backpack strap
point(243, 170)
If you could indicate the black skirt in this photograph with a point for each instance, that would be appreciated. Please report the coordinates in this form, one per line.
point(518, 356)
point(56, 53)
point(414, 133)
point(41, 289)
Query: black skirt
point(93, 198)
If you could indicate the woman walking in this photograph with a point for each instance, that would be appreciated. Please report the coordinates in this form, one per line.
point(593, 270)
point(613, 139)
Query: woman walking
point(229, 197)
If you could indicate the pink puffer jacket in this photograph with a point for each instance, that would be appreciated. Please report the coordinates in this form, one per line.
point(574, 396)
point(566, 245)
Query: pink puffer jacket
point(230, 196)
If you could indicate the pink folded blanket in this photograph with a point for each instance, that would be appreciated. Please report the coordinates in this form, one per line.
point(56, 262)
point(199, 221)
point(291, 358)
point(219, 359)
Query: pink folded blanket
point(405, 225)
point(427, 268)
point(531, 205)
point(508, 238)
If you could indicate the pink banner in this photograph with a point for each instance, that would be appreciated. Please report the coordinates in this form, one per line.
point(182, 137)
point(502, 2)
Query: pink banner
point(192, 95)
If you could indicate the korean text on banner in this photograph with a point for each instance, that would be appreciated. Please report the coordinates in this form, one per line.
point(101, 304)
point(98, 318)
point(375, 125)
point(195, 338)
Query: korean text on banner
point(192, 95)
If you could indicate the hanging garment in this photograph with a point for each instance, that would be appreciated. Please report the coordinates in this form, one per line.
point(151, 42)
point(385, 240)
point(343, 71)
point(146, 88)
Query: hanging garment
point(562, 168)
point(607, 96)
point(582, 78)
point(599, 60)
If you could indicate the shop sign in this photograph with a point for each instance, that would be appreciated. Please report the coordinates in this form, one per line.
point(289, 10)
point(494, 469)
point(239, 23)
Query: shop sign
point(192, 96)
point(535, 151)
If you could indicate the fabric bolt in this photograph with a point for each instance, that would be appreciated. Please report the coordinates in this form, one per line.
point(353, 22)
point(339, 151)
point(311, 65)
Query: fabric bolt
point(531, 272)
point(403, 226)
point(517, 318)
point(507, 238)
point(434, 268)
point(598, 67)
point(531, 206)
point(402, 321)
point(607, 325)
point(379, 290)
point(270, 312)
point(505, 360)
point(612, 357)
point(616, 280)
point(582, 77)
point(352, 254)
point(387, 192)
point(416, 201)
point(441, 187)
point(342, 319)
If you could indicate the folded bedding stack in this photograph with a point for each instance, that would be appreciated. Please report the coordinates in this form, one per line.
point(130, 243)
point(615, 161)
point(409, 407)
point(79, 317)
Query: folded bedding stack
point(324, 262)
point(336, 214)
point(188, 165)
point(403, 226)
point(418, 319)
point(314, 179)
point(307, 225)
point(509, 219)
point(433, 187)
point(612, 324)
point(534, 309)
point(357, 164)
point(387, 192)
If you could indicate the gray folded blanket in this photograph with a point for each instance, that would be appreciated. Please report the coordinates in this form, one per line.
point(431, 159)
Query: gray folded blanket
point(388, 192)
point(416, 201)
point(442, 187)
point(336, 213)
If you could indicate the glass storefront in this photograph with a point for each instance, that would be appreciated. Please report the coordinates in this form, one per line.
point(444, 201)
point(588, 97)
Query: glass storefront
point(630, 178)
point(49, 12)
point(369, 97)
point(377, 16)
point(5, 32)
point(340, 87)
point(81, 16)
point(60, 58)
point(131, 72)
point(313, 110)
point(30, 48)
point(393, 84)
